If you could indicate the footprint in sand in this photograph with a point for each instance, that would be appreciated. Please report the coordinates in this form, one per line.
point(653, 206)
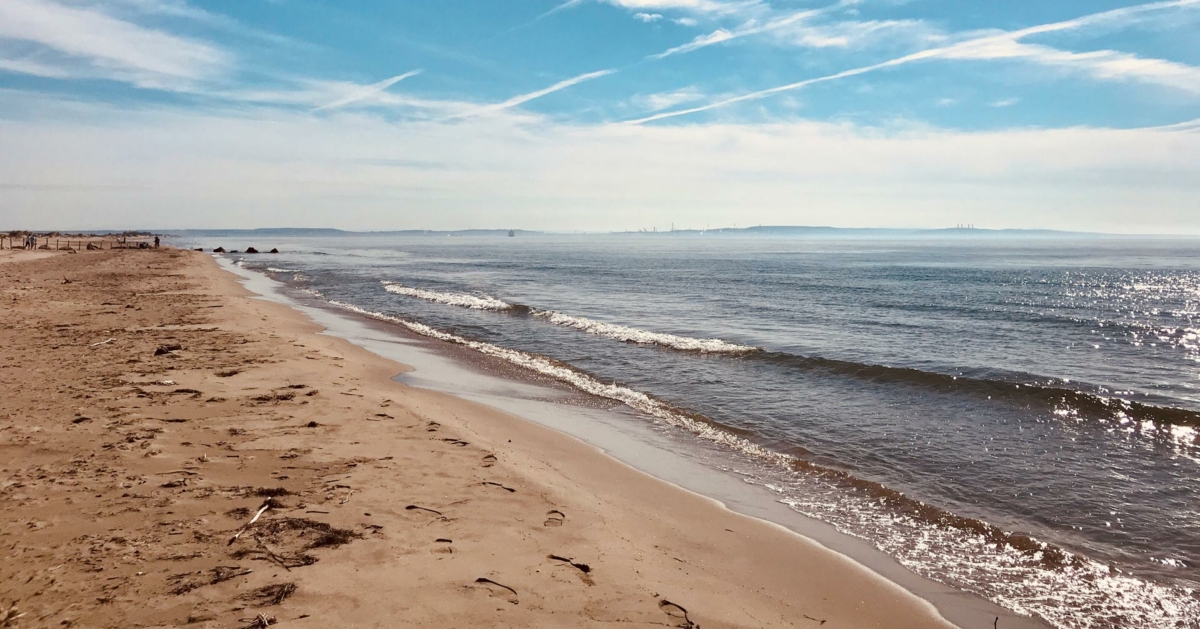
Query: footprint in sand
point(432, 427)
point(489, 460)
point(421, 509)
point(678, 614)
point(442, 546)
point(508, 489)
point(554, 518)
point(497, 590)
point(584, 569)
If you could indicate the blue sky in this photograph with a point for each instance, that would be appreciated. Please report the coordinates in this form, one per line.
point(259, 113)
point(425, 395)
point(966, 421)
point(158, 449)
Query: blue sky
point(600, 114)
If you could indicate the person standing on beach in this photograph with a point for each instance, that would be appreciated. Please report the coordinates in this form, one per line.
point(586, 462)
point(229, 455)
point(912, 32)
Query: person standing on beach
point(156, 242)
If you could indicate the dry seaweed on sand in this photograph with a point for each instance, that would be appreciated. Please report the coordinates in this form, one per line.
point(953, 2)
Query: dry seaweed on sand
point(270, 492)
point(258, 622)
point(273, 594)
point(315, 534)
point(220, 574)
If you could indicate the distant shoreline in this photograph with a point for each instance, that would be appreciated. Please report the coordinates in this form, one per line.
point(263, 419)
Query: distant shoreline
point(753, 232)
point(765, 231)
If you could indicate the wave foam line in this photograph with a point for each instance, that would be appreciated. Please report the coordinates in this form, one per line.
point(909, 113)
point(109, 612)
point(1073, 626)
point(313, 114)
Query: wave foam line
point(553, 369)
point(599, 328)
point(461, 300)
point(643, 337)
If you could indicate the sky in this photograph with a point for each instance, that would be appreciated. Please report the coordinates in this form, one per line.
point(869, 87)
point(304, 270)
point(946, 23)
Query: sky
point(600, 115)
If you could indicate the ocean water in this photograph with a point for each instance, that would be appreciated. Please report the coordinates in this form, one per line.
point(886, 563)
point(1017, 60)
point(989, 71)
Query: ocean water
point(1015, 418)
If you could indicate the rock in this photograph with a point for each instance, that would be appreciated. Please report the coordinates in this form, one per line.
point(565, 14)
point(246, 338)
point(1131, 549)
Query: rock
point(91, 246)
point(273, 251)
point(219, 250)
point(199, 249)
point(167, 349)
point(234, 251)
point(251, 250)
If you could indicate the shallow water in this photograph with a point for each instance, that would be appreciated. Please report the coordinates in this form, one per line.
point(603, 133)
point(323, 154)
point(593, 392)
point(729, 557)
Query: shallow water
point(1014, 418)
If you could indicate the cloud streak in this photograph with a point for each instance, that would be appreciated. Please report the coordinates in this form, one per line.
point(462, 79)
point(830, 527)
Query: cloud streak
point(86, 43)
point(746, 30)
point(367, 91)
point(524, 98)
point(1104, 64)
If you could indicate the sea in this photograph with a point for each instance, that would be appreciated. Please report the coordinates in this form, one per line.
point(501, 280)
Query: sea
point(1014, 417)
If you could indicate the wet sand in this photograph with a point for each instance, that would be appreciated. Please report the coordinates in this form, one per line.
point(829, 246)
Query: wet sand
point(151, 408)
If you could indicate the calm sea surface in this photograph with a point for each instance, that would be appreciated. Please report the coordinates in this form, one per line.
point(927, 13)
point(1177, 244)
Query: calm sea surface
point(1017, 418)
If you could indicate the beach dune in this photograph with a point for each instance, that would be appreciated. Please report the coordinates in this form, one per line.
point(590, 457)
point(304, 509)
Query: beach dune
point(152, 410)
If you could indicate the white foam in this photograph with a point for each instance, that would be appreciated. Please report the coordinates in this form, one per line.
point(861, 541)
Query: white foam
point(1009, 577)
point(272, 269)
point(462, 300)
point(553, 369)
point(599, 328)
point(644, 337)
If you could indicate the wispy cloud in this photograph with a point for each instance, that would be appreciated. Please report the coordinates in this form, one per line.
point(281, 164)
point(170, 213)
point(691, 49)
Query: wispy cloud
point(693, 6)
point(562, 7)
point(852, 33)
point(700, 41)
point(1103, 64)
point(88, 43)
point(1006, 102)
point(33, 68)
point(665, 100)
point(748, 28)
point(647, 17)
point(524, 98)
point(367, 91)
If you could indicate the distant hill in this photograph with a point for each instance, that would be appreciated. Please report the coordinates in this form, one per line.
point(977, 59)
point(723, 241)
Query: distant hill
point(865, 232)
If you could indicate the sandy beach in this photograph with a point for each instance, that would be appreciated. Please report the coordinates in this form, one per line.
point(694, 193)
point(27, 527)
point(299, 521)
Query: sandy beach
point(152, 409)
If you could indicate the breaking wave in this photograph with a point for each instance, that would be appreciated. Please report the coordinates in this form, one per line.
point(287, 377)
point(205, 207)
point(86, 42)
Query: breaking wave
point(563, 373)
point(462, 300)
point(643, 337)
point(623, 333)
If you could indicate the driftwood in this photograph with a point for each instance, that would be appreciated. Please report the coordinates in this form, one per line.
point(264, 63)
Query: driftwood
point(266, 505)
point(260, 621)
point(102, 343)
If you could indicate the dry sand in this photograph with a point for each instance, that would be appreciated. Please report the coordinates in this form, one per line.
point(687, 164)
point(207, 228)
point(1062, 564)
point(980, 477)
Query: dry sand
point(150, 408)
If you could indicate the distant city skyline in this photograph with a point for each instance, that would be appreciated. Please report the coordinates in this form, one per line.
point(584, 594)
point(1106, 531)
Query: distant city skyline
point(600, 115)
